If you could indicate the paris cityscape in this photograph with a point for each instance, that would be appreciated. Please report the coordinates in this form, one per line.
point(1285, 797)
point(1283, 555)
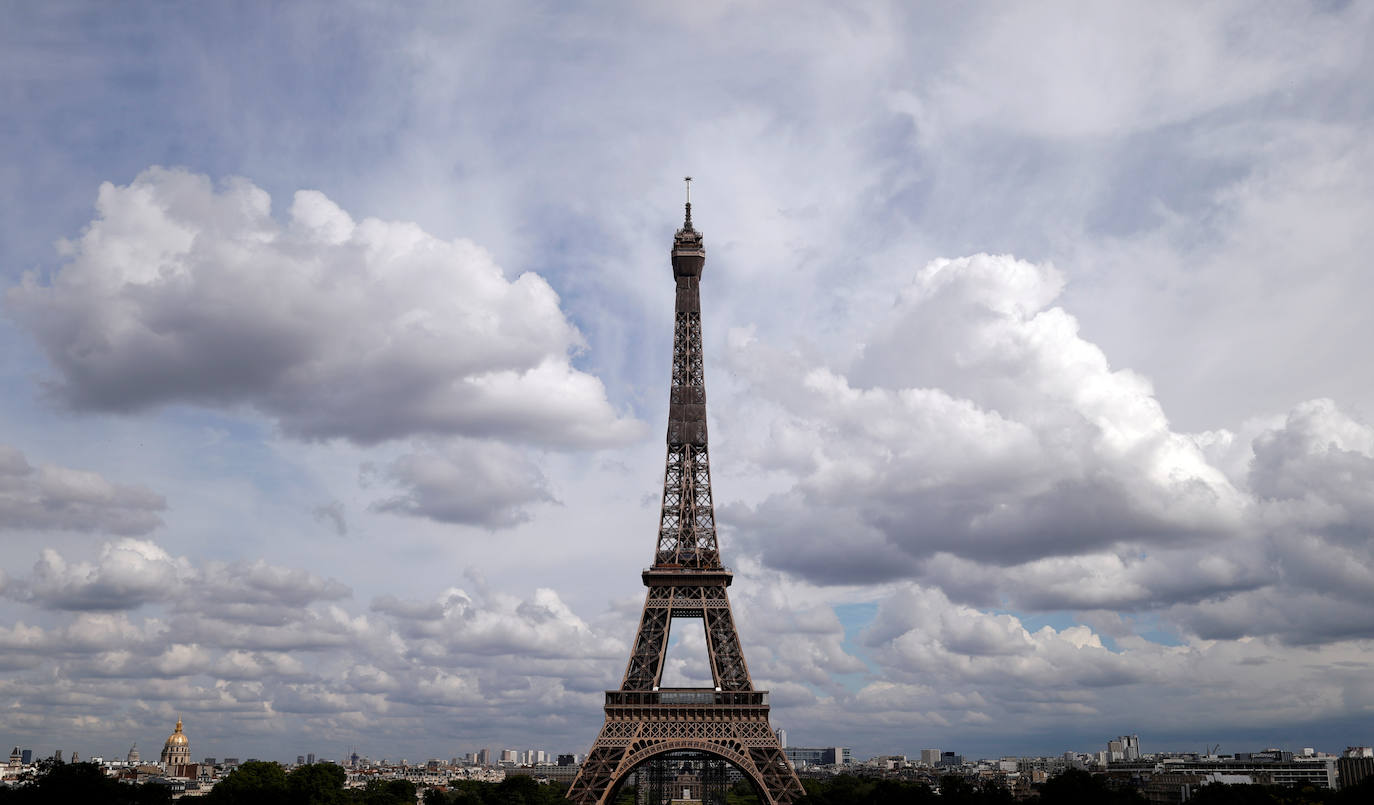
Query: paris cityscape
point(356, 442)
point(1161, 776)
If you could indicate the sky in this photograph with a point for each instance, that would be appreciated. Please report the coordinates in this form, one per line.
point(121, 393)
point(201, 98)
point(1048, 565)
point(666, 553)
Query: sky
point(335, 341)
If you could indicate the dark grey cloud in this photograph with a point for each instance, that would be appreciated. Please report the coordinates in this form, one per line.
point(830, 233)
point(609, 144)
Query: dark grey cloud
point(1299, 617)
point(52, 498)
point(404, 610)
point(333, 514)
point(183, 292)
point(1311, 475)
point(260, 582)
point(1317, 472)
point(469, 481)
point(1104, 580)
point(796, 536)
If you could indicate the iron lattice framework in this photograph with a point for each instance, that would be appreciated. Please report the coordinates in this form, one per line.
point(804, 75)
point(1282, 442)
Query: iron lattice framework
point(687, 580)
point(690, 776)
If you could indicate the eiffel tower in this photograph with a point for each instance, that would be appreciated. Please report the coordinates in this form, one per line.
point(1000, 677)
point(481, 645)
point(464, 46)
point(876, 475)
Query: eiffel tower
point(728, 721)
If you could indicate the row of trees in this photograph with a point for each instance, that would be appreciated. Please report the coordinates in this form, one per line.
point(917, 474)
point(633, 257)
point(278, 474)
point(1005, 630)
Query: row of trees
point(265, 783)
point(850, 790)
point(1222, 794)
point(260, 783)
point(80, 783)
point(1073, 787)
point(510, 791)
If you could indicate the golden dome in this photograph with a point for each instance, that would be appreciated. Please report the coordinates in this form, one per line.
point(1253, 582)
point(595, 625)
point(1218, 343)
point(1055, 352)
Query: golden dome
point(177, 738)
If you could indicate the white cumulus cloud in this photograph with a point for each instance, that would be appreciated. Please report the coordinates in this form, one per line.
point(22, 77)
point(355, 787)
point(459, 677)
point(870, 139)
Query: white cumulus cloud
point(182, 291)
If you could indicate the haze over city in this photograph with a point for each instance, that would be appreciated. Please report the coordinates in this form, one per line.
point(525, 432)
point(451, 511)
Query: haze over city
point(336, 341)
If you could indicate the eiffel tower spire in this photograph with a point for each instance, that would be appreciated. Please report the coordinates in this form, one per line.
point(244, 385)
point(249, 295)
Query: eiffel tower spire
point(728, 722)
point(687, 529)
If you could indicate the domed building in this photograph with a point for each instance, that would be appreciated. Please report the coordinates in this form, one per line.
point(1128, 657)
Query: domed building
point(177, 750)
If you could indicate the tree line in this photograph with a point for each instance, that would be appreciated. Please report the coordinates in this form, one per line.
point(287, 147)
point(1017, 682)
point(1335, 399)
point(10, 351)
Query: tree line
point(267, 783)
point(1073, 787)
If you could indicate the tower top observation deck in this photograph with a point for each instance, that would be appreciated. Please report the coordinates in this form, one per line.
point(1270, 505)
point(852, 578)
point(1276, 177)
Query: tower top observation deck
point(689, 249)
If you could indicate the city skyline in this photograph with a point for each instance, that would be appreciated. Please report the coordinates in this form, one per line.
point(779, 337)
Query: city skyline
point(1119, 749)
point(336, 347)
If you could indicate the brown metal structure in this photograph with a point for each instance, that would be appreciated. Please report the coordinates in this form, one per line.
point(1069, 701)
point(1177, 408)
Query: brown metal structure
point(687, 580)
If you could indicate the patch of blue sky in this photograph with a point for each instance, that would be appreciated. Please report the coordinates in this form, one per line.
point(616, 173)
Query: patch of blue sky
point(1152, 627)
point(1147, 625)
point(855, 617)
point(1033, 622)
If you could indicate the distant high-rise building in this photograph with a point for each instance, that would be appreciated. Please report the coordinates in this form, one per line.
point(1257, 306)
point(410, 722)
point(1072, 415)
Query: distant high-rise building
point(822, 756)
point(300, 760)
point(1124, 748)
point(782, 737)
point(484, 757)
point(57, 755)
point(209, 761)
point(930, 756)
point(310, 757)
point(1132, 744)
point(950, 759)
point(567, 760)
point(27, 756)
point(1354, 766)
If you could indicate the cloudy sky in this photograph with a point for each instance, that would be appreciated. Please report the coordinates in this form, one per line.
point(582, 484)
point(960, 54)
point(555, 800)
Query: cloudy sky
point(335, 339)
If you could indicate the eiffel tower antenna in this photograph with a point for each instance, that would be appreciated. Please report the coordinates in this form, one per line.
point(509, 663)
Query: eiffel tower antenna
point(647, 724)
point(687, 218)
